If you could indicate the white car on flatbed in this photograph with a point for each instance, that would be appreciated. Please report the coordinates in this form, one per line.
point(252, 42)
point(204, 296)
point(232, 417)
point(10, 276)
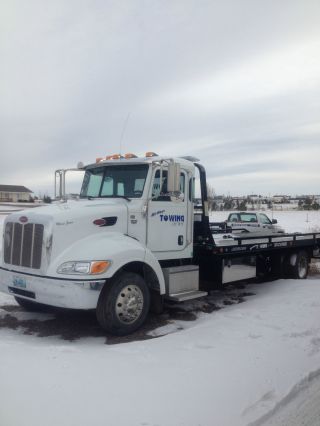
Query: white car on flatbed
point(253, 222)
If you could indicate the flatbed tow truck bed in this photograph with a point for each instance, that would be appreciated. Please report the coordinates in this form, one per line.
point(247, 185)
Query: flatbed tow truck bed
point(254, 242)
point(230, 258)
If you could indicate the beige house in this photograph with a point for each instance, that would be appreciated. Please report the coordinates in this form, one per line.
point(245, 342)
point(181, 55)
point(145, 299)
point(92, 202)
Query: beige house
point(14, 193)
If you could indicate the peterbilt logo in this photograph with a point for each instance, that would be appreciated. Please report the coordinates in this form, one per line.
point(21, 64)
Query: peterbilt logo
point(23, 219)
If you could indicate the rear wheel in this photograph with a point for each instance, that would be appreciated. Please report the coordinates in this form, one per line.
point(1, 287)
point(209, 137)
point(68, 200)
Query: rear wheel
point(301, 267)
point(297, 265)
point(123, 304)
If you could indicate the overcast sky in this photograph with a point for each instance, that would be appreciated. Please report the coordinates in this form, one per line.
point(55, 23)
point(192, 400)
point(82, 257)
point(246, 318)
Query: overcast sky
point(235, 83)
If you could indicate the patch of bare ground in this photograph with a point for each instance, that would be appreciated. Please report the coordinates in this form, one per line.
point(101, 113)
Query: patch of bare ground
point(72, 325)
point(314, 267)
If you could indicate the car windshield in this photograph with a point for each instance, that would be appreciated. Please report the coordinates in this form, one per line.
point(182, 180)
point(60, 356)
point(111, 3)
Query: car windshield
point(264, 219)
point(114, 181)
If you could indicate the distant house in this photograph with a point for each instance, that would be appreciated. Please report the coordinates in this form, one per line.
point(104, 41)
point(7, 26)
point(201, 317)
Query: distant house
point(14, 193)
point(281, 199)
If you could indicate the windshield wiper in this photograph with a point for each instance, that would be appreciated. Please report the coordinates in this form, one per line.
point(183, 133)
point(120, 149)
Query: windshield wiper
point(89, 197)
point(116, 196)
point(86, 197)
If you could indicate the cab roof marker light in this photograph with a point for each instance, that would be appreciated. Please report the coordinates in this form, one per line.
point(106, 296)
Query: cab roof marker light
point(114, 157)
point(99, 159)
point(130, 155)
point(151, 154)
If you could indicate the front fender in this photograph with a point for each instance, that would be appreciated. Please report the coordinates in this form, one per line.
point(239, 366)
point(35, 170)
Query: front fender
point(113, 246)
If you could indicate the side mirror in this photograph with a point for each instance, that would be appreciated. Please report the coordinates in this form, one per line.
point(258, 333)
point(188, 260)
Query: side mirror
point(173, 180)
point(274, 221)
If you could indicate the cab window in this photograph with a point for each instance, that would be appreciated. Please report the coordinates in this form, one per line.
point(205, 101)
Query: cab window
point(233, 217)
point(248, 217)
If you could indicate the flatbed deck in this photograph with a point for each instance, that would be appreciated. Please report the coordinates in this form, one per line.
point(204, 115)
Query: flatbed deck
point(228, 243)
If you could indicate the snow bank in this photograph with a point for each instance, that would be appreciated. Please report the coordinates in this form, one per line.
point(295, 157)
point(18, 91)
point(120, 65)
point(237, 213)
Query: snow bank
point(227, 368)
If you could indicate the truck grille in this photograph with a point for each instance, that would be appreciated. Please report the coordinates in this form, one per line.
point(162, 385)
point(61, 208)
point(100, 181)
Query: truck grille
point(23, 244)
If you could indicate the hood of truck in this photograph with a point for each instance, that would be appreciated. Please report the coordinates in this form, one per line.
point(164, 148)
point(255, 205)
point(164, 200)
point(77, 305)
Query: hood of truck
point(64, 224)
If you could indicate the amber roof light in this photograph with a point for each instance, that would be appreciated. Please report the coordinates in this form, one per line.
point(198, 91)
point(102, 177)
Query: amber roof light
point(130, 155)
point(114, 157)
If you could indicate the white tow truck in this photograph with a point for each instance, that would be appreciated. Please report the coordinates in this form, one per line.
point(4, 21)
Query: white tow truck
point(133, 240)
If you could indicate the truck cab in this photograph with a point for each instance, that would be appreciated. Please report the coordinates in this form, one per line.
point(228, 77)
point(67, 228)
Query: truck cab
point(126, 243)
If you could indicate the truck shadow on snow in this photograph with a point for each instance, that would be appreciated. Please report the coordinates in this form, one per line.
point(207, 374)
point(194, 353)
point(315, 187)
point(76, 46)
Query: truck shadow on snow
point(73, 325)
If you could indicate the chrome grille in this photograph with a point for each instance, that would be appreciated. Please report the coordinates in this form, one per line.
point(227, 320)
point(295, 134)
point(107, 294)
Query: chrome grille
point(23, 244)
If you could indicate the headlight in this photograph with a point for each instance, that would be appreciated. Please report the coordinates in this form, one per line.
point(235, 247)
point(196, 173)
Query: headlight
point(84, 268)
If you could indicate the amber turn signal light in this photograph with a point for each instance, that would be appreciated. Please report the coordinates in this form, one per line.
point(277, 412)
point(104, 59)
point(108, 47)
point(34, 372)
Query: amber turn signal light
point(99, 267)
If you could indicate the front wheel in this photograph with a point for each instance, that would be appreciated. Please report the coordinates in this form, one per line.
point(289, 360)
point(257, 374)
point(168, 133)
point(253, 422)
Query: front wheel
point(123, 304)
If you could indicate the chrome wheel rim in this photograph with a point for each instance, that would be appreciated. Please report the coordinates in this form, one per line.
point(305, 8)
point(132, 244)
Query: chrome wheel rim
point(303, 267)
point(129, 304)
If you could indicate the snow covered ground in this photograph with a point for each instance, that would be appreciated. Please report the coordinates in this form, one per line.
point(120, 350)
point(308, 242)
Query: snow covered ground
point(251, 363)
point(5, 208)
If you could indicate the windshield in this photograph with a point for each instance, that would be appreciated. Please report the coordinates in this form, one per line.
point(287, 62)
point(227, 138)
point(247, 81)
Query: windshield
point(115, 181)
point(264, 219)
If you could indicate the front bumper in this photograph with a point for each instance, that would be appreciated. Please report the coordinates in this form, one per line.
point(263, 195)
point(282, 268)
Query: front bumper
point(64, 293)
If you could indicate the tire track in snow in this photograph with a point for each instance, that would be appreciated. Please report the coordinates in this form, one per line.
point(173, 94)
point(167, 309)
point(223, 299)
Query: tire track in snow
point(300, 407)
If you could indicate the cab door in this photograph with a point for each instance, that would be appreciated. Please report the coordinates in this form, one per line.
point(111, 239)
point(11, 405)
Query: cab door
point(167, 215)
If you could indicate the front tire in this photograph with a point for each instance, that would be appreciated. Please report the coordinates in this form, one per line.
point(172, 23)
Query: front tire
point(123, 304)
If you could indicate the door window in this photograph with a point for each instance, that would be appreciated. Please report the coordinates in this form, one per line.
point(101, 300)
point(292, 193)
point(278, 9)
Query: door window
point(160, 189)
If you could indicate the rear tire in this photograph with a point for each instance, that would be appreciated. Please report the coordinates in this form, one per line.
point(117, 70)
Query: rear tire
point(301, 267)
point(297, 265)
point(123, 304)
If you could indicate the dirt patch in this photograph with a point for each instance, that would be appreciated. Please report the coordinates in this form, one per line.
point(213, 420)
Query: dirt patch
point(73, 325)
point(314, 267)
point(68, 325)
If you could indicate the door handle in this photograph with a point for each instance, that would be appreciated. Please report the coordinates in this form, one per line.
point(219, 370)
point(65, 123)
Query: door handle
point(180, 240)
